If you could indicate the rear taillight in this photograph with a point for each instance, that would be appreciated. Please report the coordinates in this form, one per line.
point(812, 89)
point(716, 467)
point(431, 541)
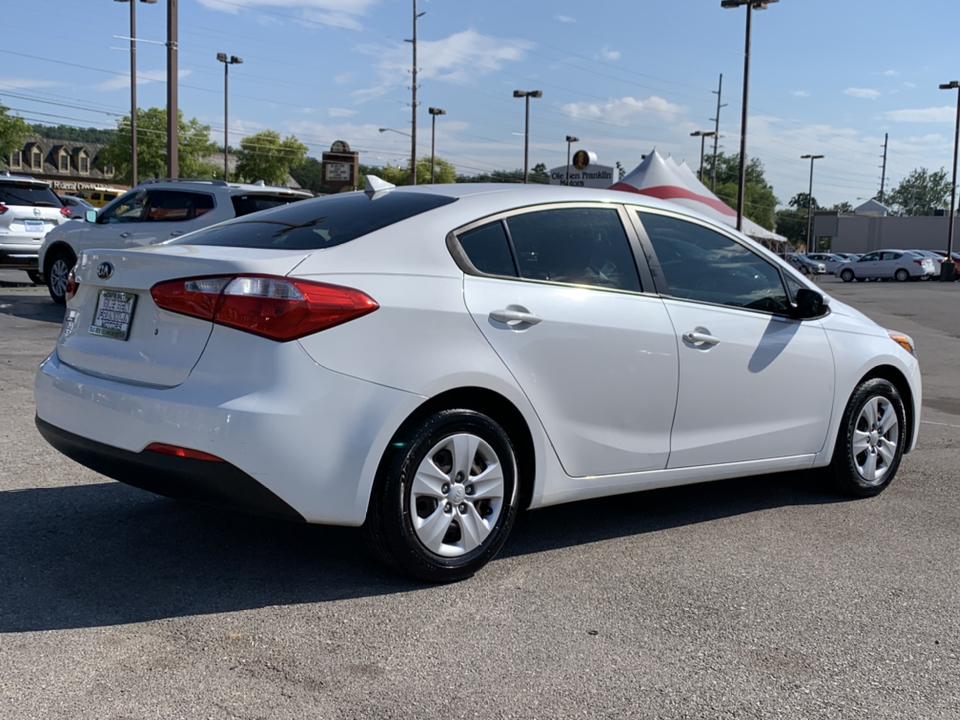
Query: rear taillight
point(65, 211)
point(277, 308)
point(919, 262)
point(72, 286)
point(3, 208)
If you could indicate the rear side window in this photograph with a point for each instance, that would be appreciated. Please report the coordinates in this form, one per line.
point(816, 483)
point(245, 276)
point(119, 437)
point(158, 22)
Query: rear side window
point(246, 204)
point(28, 194)
point(319, 223)
point(488, 249)
point(176, 205)
point(582, 246)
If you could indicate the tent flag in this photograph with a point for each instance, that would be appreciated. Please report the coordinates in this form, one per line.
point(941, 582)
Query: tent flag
point(663, 178)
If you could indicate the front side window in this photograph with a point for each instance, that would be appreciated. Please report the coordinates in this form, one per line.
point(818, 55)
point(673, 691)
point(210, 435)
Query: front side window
point(129, 208)
point(581, 246)
point(706, 266)
point(176, 205)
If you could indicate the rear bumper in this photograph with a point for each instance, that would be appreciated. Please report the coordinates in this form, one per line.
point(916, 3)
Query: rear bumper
point(216, 483)
point(25, 257)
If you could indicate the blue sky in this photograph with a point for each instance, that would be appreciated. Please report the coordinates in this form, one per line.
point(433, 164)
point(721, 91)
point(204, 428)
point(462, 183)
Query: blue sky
point(828, 76)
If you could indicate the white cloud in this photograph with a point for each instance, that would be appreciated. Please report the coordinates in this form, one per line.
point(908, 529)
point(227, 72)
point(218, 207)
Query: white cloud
point(145, 77)
point(862, 93)
point(890, 73)
point(943, 114)
point(608, 54)
point(566, 19)
point(12, 83)
point(621, 111)
point(458, 58)
point(800, 93)
point(344, 14)
point(336, 112)
point(908, 84)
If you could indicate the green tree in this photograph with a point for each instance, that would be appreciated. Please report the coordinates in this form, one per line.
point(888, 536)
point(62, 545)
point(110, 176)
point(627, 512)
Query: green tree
point(264, 156)
point(195, 147)
point(801, 201)
point(70, 133)
point(539, 174)
point(843, 208)
point(400, 175)
point(760, 200)
point(309, 175)
point(13, 132)
point(922, 192)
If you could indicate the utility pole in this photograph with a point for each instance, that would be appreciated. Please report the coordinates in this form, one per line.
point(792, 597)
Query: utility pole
point(948, 270)
point(883, 171)
point(742, 185)
point(134, 164)
point(173, 106)
point(570, 140)
point(413, 119)
point(526, 95)
point(811, 158)
point(434, 111)
point(716, 135)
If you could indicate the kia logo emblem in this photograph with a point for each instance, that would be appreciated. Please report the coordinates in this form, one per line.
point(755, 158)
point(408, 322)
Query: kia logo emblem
point(104, 271)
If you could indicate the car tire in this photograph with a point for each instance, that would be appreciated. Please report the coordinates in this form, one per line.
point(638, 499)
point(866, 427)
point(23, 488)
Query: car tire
point(59, 265)
point(804, 269)
point(35, 277)
point(901, 275)
point(847, 275)
point(870, 441)
point(426, 517)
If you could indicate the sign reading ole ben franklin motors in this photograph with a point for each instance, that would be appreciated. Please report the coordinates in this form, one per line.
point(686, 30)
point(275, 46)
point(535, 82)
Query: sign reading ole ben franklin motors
point(584, 171)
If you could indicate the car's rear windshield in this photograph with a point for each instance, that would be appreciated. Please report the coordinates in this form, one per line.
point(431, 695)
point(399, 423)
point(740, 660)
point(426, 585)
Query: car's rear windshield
point(318, 223)
point(255, 202)
point(28, 194)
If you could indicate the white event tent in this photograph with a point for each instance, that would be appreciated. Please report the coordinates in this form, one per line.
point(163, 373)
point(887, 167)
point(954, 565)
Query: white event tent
point(663, 178)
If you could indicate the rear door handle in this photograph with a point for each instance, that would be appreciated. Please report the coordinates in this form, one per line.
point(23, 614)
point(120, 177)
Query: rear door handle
point(124, 234)
point(514, 315)
point(699, 337)
point(176, 232)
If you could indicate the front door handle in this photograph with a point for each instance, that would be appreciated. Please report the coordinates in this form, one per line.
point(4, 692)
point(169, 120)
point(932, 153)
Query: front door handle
point(124, 234)
point(699, 336)
point(514, 315)
point(175, 233)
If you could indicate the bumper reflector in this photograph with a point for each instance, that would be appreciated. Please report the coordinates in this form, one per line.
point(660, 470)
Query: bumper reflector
point(181, 452)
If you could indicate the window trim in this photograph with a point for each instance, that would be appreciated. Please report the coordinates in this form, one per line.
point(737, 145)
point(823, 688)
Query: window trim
point(16, 159)
point(463, 262)
point(60, 157)
point(36, 152)
point(660, 280)
point(83, 157)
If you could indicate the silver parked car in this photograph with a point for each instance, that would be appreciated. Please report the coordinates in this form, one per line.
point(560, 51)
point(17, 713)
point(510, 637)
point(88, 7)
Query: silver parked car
point(29, 210)
point(901, 265)
point(805, 264)
point(832, 261)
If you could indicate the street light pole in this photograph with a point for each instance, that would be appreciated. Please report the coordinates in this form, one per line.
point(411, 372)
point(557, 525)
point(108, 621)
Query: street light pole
point(134, 165)
point(570, 139)
point(811, 158)
point(703, 135)
point(526, 95)
point(948, 270)
point(434, 111)
point(751, 6)
point(173, 103)
point(227, 62)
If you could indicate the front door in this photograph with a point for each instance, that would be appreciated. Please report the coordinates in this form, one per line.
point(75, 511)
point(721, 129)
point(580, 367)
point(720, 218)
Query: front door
point(559, 299)
point(754, 383)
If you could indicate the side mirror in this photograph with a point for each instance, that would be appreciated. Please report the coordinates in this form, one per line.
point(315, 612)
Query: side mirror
point(810, 304)
point(90, 216)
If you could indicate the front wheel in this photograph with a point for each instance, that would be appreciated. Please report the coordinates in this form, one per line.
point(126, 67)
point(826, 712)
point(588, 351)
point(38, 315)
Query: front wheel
point(445, 497)
point(847, 275)
point(871, 440)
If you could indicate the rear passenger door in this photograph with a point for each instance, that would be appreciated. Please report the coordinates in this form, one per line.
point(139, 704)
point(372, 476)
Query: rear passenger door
point(558, 294)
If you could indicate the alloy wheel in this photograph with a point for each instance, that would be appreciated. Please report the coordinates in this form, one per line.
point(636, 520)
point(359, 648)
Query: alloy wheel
point(457, 495)
point(59, 271)
point(875, 439)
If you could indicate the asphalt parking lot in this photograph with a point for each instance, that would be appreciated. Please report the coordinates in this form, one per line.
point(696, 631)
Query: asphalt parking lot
point(759, 598)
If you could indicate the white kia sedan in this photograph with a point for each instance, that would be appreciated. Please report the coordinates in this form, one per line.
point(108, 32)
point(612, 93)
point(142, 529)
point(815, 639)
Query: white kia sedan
point(425, 362)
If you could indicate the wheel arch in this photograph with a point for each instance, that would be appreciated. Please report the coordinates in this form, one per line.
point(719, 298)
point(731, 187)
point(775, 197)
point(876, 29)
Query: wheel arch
point(494, 405)
point(54, 250)
point(894, 376)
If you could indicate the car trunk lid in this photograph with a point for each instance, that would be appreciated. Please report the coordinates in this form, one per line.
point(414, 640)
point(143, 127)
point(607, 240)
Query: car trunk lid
point(112, 327)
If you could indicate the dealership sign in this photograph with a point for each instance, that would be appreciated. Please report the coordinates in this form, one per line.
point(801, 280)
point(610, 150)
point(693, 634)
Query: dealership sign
point(584, 171)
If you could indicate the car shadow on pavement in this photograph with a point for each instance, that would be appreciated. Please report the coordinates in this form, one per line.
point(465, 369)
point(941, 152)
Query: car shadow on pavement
point(106, 554)
point(31, 307)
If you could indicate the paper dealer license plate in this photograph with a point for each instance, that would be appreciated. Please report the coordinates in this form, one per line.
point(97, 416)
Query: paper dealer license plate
point(114, 314)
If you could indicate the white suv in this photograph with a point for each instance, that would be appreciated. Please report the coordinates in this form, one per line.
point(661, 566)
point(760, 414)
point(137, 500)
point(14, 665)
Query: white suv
point(152, 213)
point(29, 209)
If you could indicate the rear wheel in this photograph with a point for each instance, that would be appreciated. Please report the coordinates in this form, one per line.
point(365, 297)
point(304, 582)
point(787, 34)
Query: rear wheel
point(847, 275)
point(901, 275)
point(58, 269)
point(871, 440)
point(445, 497)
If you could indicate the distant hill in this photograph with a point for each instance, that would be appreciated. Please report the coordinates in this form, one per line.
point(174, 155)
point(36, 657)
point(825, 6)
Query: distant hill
point(74, 134)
